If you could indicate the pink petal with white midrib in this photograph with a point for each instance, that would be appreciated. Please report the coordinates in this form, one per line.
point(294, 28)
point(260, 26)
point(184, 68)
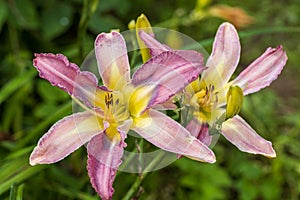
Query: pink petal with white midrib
point(57, 69)
point(167, 134)
point(261, 72)
point(169, 72)
point(239, 133)
point(224, 58)
point(104, 158)
point(112, 59)
point(64, 137)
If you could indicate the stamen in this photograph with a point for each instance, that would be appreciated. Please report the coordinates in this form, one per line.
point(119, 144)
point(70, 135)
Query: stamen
point(205, 102)
point(108, 99)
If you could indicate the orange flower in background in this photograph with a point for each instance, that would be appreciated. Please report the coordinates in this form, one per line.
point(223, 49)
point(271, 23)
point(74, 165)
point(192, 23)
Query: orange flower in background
point(236, 15)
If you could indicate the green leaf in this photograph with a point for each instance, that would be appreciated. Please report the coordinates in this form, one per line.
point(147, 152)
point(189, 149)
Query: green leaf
point(16, 192)
point(270, 189)
point(56, 20)
point(247, 190)
point(19, 176)
point(10, 167)
point(43, 110)
point(208, 181)
point(15, 83)
point(25, 14)
point(100, 24)
point(120, 7)
point(3, 13)
point(50, 93)
point(14, 108)
point(37, 131)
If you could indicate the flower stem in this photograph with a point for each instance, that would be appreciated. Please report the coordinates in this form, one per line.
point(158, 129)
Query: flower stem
point(89, 7)
point(135, 186)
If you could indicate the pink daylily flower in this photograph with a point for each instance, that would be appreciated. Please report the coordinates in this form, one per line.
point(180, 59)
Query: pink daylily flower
point(207, 95)
point(120, 104)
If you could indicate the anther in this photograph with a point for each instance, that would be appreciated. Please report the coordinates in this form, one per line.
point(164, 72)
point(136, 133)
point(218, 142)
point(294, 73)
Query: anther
point(109, 100)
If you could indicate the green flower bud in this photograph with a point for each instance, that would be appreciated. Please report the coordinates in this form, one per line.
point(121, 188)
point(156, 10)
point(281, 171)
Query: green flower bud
point(235, 99)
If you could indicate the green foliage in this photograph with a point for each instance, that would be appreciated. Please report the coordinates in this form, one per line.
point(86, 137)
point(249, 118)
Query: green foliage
point(216, 183)
point(58, 18)
point(30, 105)
point(3, 13)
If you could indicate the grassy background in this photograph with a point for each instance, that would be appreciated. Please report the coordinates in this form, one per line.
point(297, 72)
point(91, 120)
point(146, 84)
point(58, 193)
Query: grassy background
point(30, 105)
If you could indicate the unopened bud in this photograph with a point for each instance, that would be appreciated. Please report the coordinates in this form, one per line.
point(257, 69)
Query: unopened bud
point(143, 24)
point(235, 99)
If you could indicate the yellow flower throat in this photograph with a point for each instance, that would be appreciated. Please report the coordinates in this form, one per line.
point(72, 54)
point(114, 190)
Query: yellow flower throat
point(205, 102)
point(115, 111)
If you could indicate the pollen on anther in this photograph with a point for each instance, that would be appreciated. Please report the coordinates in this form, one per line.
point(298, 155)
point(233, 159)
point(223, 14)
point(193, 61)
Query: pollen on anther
point(108, 100)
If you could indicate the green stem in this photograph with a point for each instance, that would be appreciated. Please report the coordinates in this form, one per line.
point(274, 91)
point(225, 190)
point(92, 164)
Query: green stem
point(135, 186)
point(89, 7)
point(131, 156)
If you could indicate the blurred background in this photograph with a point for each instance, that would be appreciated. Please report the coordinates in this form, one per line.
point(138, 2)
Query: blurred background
point(30, 105)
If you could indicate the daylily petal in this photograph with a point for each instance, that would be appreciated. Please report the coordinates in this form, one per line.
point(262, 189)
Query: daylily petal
point(140, 98)
point(168, 105)
point(193, 87)
point(224, 57)
point(65, 75)
point(169, 72)
point(200, 131)
point(65, 136)
point(104, 158)
point(262, 71)
point(155, 46)
point(239, 133)
point(113, 64)
point(167, 134)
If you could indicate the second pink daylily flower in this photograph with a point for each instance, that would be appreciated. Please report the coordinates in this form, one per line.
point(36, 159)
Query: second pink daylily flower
point(120, 104)
point(215, 101)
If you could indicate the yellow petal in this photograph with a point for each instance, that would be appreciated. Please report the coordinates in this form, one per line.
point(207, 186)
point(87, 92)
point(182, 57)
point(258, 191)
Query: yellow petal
point(139, 100)
point(143, 120)
point(112, 134)
point(193, 87)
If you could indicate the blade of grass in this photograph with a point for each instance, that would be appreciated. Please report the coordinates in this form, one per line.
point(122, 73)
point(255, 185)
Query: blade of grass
point(61, 111)
point(16, 192)
point(13, 192)
point(15, 83)
point(21, 176)
point(20, 192)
